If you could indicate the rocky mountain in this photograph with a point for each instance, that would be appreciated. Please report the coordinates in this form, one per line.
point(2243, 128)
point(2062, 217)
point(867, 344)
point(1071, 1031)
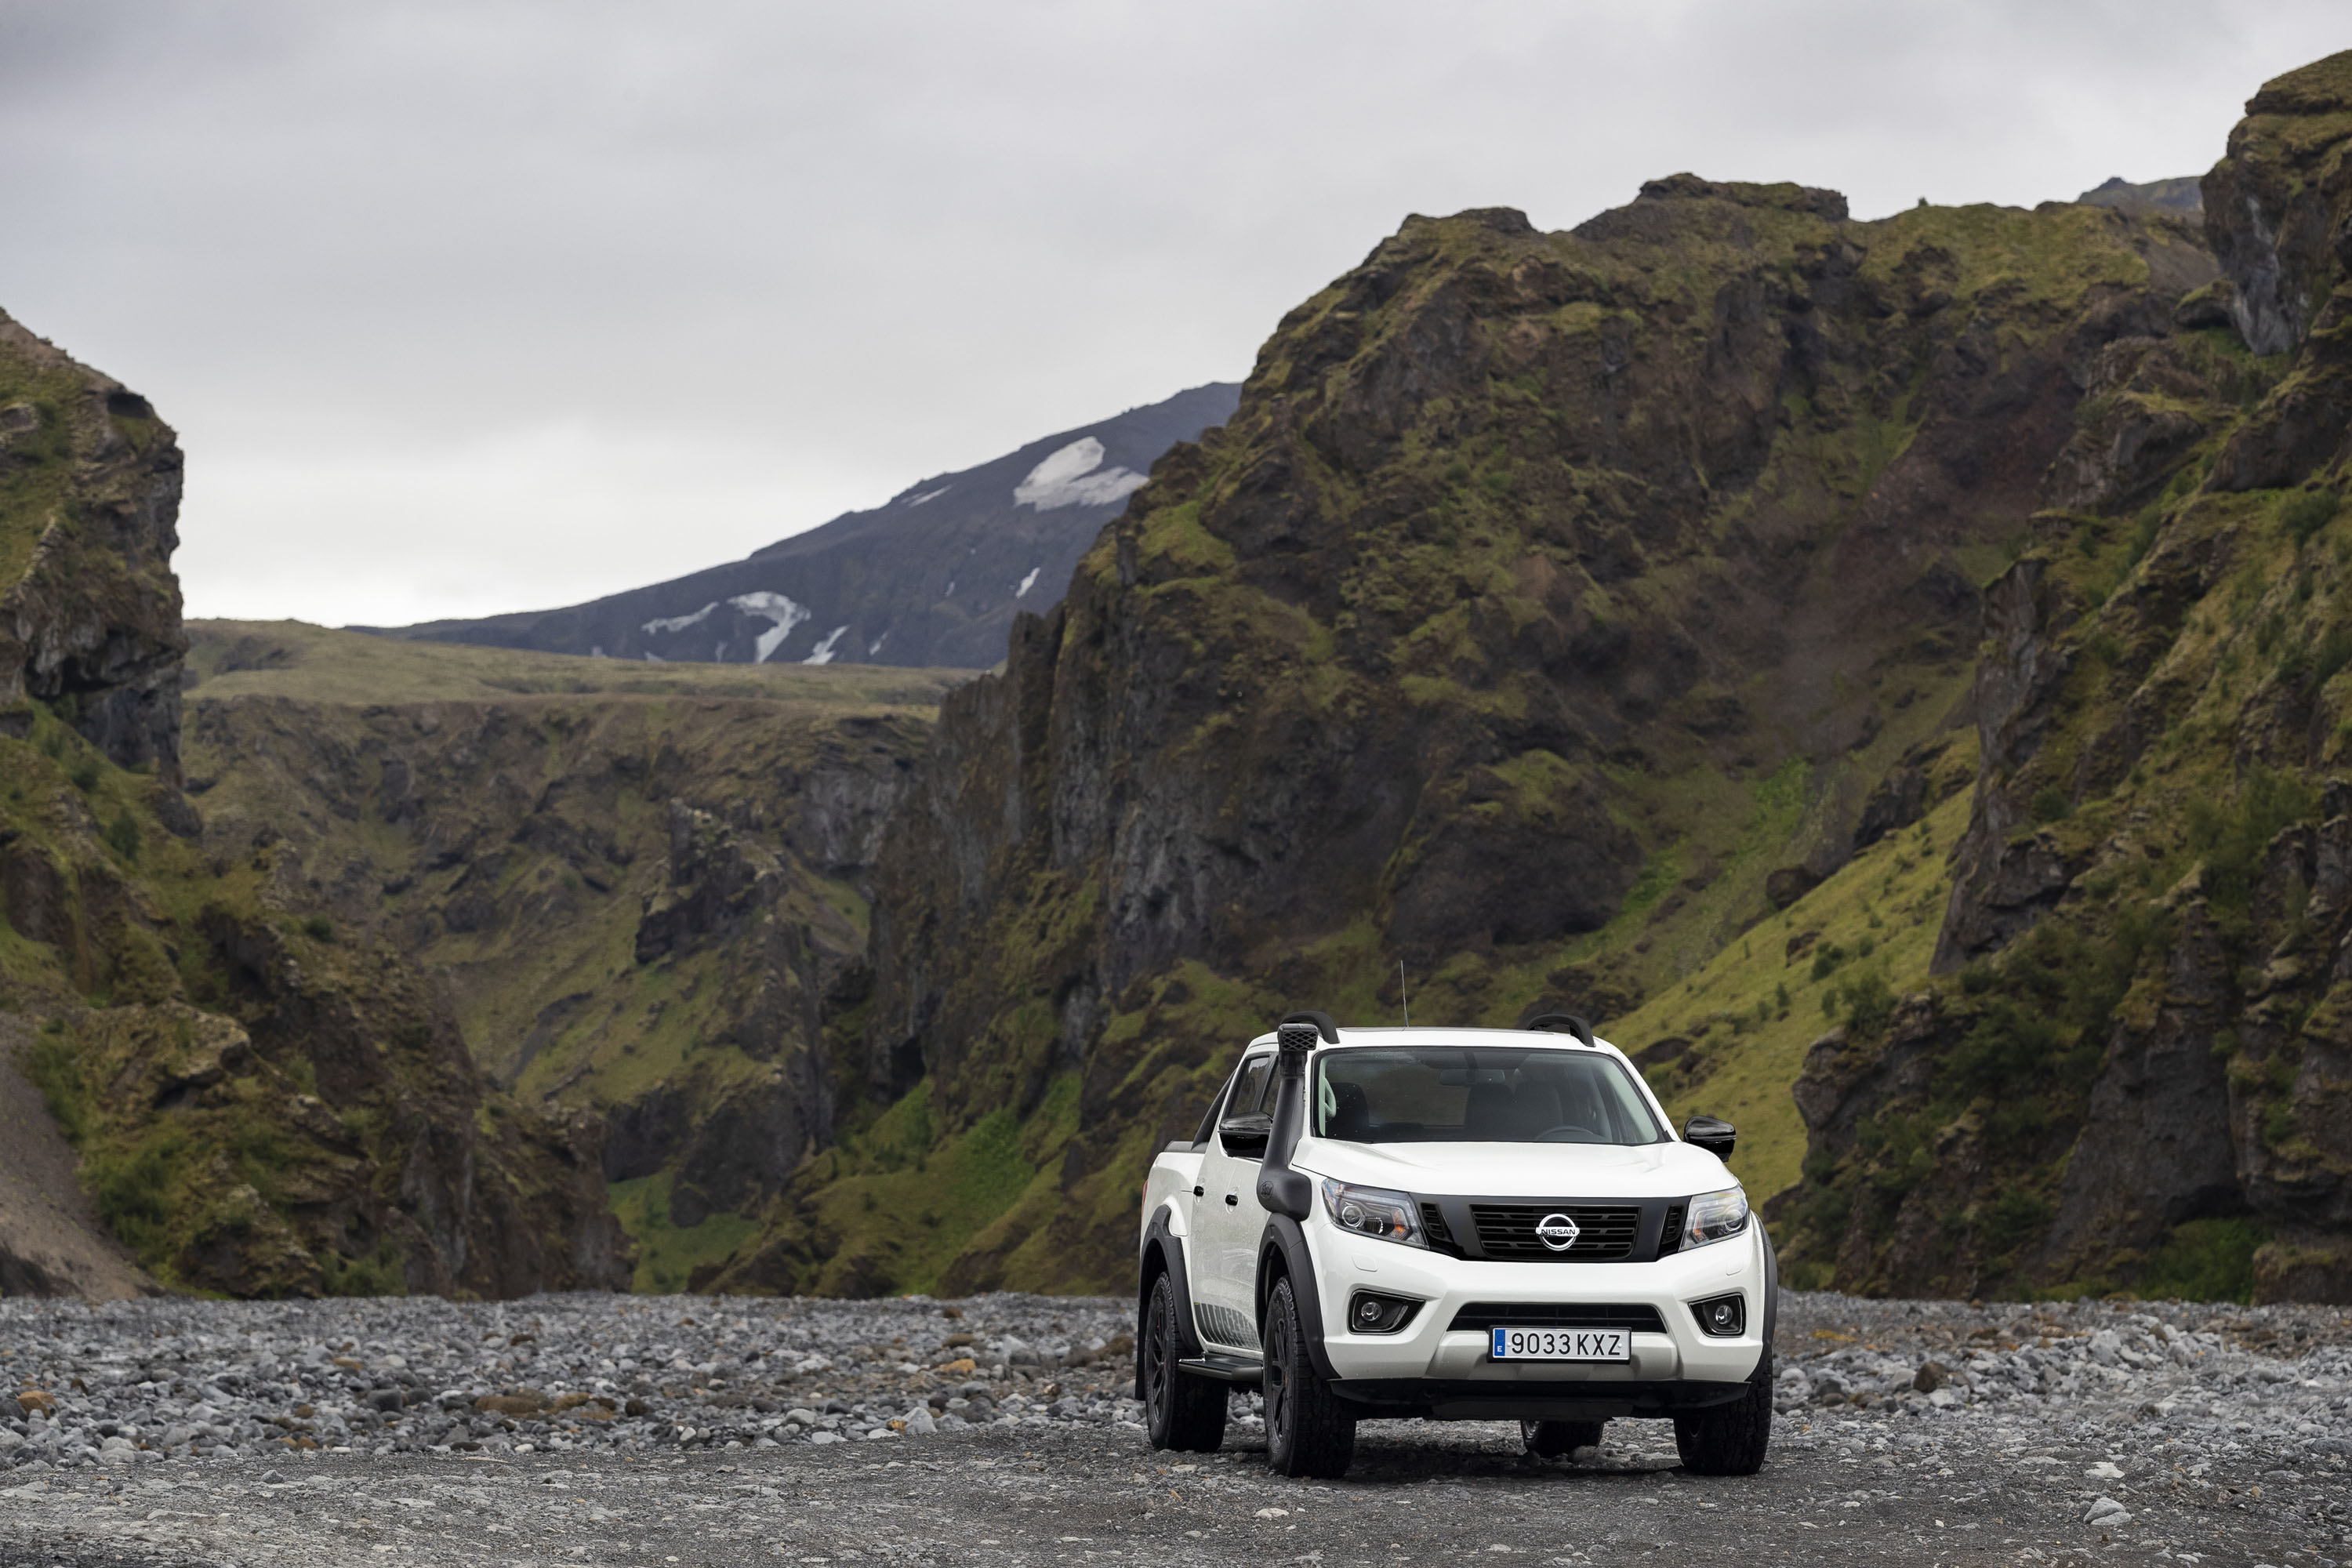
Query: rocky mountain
point(642, 888)
point(1555, 611)
point(252, 1103)
point(934, 577)
point(2135, 1061)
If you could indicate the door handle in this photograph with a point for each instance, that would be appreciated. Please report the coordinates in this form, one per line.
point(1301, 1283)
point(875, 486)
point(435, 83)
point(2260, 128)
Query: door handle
point(1231, 1201)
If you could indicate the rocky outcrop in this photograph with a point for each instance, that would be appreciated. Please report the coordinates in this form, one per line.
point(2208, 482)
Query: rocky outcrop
point(2275, 205)
point(1514, 539)
point(258, 1104)
point(2136, 1074)
point(89, 506)
point(2279, 215)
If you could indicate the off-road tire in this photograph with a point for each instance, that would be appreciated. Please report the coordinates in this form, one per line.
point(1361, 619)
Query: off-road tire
point(1558, 1440)
point(1730, 1439)
point(1180, 1411)
point(1308, 1432)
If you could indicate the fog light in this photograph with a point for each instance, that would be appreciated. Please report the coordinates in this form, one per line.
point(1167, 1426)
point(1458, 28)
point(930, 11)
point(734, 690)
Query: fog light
point(1370, 1312)
point(1724, 1318)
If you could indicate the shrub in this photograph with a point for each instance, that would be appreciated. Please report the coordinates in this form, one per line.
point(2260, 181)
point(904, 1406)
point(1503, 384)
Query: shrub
point(132, 1190)
point(319, 927)
point(2050, 804)
point(1870, 1002)
point(377, 1274)
point(2204, 1260)
point(2007, 1046)
point(2306, 512)
point(2331, 654)
point(2231, 838)
point(122, 835)
point(2016, 1217)
point(84, 773)
point(54, 1064)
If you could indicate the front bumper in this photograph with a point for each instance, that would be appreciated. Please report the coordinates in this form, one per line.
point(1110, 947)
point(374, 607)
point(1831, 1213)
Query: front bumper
point(1431, 1367)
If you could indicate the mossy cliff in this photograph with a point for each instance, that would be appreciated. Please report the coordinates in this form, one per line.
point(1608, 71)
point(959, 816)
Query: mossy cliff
point(1555, 608)
point(2133, 1066)
point(261, 1105)
point(642, 888)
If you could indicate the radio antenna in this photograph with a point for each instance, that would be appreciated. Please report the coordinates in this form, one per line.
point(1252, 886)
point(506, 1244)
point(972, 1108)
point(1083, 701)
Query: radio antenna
point(1403, 1000)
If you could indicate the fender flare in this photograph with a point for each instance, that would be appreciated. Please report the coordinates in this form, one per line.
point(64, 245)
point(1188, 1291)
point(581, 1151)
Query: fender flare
point(1772, 1287)
point(1163, 1253)
point(1282, 1250)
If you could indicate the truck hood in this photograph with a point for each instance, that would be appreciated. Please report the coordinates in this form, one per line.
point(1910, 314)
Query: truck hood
point(1534, 1170)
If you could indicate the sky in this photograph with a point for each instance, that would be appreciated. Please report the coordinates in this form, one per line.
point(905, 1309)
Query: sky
point(477, 306)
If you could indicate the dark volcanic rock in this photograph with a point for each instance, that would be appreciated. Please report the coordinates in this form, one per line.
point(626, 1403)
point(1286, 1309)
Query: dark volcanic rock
point(2143, 1077)
point(89, 507)
point(2279, 214)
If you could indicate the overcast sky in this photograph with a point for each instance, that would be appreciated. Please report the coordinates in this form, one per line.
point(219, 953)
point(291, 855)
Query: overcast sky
point(478, 306)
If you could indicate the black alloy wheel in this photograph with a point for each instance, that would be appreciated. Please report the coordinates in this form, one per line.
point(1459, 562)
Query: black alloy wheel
point(1308, 1432)
point(1558, 1440)
point(1730, 1439)
point(1180, 1411)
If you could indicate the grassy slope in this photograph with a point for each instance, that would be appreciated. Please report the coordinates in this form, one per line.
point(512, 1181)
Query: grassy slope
point(1754, 1008)
point(314, 664)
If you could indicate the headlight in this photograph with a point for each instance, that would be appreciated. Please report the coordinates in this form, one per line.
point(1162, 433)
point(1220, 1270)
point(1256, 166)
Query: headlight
point(1714, 1216)
point(1369, 1211)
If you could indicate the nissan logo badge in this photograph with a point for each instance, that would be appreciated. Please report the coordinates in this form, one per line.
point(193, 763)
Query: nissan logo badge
point(1557, 1231)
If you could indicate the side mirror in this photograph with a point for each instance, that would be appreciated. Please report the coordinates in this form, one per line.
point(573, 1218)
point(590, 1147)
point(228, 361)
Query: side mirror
point(1711, 1133)
point(1245, 1137)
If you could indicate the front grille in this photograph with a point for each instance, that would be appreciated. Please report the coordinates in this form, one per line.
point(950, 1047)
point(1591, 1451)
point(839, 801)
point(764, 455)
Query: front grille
point(1484, 1315)
point(1670, 1235)
point(1432, 1226)
point(1508, 1231)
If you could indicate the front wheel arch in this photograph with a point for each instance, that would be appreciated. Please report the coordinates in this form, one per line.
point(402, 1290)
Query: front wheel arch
point(1282, 1254)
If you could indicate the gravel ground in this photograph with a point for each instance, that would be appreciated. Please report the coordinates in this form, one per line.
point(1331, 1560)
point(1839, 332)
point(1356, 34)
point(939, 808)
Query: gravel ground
point(699, 1431)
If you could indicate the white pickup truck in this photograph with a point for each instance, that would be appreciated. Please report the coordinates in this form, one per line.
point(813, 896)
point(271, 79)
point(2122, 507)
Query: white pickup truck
point(1456, 1224)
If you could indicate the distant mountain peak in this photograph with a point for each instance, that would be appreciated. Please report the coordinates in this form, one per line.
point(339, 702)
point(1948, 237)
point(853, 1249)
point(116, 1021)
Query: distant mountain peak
point(933, 576)
point(2178, 195)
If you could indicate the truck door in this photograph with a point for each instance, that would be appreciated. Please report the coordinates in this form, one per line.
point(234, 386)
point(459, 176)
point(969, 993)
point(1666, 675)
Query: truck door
point(1226, 1219)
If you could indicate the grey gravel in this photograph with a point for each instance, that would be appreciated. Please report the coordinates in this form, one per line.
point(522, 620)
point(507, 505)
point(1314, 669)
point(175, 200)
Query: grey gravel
point(591, 1428)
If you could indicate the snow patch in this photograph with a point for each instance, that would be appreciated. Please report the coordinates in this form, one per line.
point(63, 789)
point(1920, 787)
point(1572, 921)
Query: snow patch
point(876, 645)
point(782, 612)
point(823, 652)
point(927, 495)
point(1068, 477)
point(1027, 583)
point(679, 623)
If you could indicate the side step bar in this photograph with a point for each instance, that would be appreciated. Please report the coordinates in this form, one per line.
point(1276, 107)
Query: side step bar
point(1223, 1368)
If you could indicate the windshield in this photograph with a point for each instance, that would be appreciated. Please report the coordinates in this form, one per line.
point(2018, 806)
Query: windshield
point(1424, 1094)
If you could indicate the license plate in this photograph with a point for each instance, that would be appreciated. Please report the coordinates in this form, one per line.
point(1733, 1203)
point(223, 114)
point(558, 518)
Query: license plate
point(1563, 1344)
